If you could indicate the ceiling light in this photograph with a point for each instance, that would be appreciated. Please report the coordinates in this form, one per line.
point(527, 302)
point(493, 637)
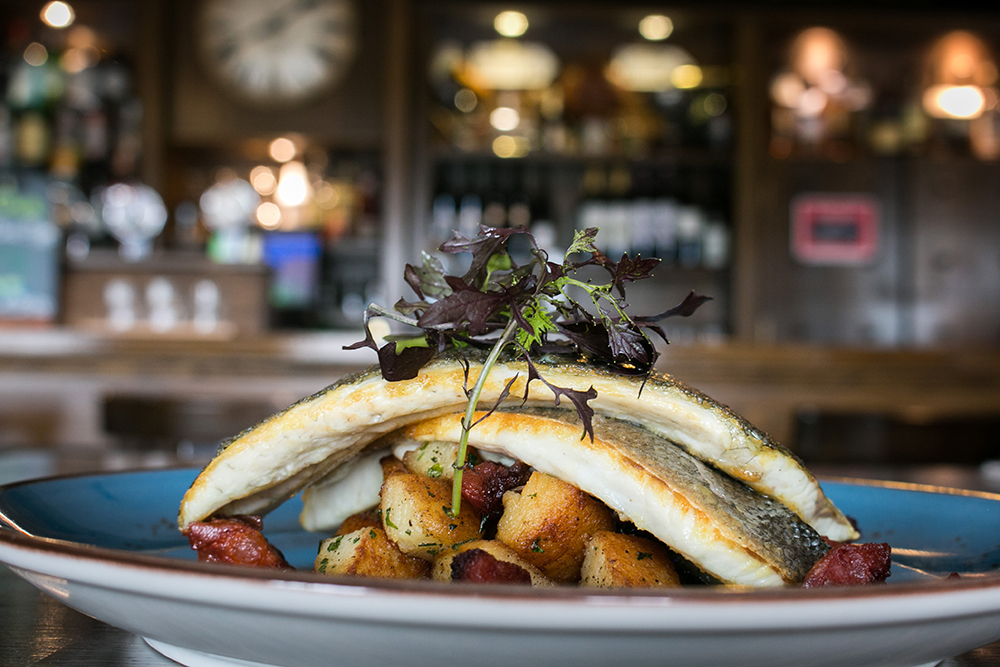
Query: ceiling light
point(656, 27)
point(282, 149)
point(269, 215)
point(58, 14)
point(263, 180)
point(506, 64)
point(962, 102)
point(293, 184)
point(686, 76)
point(36, 54)
point(505, 119)
point(511, 24)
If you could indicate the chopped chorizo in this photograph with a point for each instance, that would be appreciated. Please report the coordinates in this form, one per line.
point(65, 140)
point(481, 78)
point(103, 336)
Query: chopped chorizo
point(851, 565)
point(480, 567)
point(484, 484)
point(236, 540)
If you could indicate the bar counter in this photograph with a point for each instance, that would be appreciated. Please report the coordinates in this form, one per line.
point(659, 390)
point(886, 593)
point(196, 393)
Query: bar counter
point(62, 377)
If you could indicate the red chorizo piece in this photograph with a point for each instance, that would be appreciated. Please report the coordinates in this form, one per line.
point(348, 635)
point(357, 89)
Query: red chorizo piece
point(236, 540)
point(476, 566)
point(851, 565)
point(484, 484)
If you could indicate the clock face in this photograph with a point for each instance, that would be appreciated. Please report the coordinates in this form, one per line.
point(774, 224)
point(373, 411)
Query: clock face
point(277, 52)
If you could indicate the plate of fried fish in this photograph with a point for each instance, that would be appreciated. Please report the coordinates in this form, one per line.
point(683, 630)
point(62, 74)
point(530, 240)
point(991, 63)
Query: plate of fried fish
point(341, 476)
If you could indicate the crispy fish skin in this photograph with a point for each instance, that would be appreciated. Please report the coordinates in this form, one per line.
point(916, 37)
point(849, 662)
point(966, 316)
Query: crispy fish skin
point(268, 463)
point(718, 523)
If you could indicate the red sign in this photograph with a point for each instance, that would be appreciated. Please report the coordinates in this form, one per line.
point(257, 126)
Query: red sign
point(834, 230)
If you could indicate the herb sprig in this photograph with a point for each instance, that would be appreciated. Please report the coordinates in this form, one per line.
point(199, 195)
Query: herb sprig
point(529, 310)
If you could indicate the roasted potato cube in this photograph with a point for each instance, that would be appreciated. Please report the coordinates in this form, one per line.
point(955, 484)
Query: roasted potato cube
point(391, 466)
point(365, 519)
point(368, 552)
point(495, 548)
point(416, 515)
point(549, 523)
point(613, 560)
point(433, 459)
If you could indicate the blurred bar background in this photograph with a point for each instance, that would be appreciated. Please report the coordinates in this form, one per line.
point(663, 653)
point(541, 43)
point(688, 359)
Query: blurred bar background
point(199, 198)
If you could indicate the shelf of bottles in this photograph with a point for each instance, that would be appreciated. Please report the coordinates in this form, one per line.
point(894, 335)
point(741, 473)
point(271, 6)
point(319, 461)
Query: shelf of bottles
point(70, 124)
point(309, 212)
point(631, 133)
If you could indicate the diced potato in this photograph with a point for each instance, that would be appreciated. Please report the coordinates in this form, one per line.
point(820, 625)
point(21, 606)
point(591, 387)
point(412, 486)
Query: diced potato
point(433, 459)
point(415, 515)
point(368, 552)
point(495, 548)
point(365, 519)
point(549, 523)
point(613, 560)
point(392, 466)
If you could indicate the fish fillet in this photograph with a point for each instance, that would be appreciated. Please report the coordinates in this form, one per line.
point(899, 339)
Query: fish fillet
point(268, 463)
point(718, 523)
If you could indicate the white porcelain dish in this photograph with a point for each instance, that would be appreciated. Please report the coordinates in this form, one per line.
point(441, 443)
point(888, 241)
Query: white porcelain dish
point(107, 546)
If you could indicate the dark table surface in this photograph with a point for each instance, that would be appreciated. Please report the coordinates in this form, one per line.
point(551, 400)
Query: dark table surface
point(37, 630)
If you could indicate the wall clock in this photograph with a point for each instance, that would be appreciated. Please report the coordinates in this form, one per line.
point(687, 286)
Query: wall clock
point(277, 52)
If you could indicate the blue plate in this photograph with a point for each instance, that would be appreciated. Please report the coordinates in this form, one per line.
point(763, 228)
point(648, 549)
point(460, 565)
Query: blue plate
point(108, 546)
point(933, 531)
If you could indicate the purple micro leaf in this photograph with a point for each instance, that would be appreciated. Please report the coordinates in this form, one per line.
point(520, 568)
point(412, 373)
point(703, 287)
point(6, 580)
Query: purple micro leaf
point(627, 343)
point(369, 340)
point(579, 399)
point(632, 269)
point(685, 308)
point(428, 280)
point(500, 399)
point(405, 365)
point(405, 307)
point(466, 307)
point(489, 241)
point(465, 379)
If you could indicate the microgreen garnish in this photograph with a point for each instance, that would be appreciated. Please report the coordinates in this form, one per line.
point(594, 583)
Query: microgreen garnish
point(510, 308)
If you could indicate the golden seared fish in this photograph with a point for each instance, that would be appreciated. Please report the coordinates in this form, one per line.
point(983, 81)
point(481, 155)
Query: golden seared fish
point(718, 523)
point(313, 439)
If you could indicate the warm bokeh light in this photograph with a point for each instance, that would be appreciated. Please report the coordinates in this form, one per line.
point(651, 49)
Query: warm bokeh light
point(812, 102)
point(269, 215)
point(504, 146)
point(263, 180)
point(58, 14)
point(505, 119)
point(507, 146)
point(35, 54)
point(961, 58)
point(508, 64)
point(715, 104)
point(511, 24)
point(293, 184)
point(645, 67)
point(326, 195)
point(816, 52)
point(656, 27)
point(786, 89)
point(77, 59)
point(686, 76)
point(962, 102)
point(282, 149)
point(466, 100)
